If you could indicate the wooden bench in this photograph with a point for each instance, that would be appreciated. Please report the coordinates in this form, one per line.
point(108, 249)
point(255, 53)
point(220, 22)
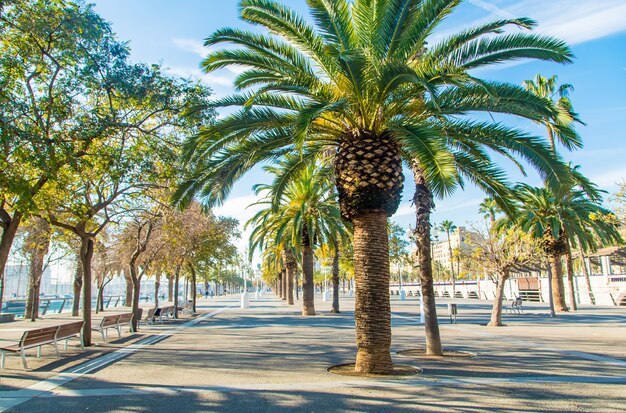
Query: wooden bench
point(107, 322)
point(71, 330)
point(33, 338)
point(125, 319)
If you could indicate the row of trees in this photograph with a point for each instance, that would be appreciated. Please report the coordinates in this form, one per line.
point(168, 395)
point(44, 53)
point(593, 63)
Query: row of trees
point(363, 90)
point(91, 146)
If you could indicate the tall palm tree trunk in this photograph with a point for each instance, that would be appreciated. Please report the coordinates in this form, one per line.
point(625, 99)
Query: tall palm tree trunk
point(558, 295)
point(335, 306)
point(372, 311)
point(283, 275)
point(583, 260)
point(308, 288)
point(496, 311)
point(423, 201)
point(569, 267)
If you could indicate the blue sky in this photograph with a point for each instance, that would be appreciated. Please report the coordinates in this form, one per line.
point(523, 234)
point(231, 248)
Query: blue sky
point(172, 32)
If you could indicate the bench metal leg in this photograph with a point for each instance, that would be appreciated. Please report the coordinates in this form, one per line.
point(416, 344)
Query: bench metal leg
point(2, 360)
point(56, 348)
point(39, 352)
point(104, 337)
point(65, 347)
point(23, 354)
point(119, 330)
point(82, 345)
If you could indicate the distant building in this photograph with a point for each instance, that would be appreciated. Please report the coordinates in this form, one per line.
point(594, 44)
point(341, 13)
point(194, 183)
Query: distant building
point(459, 241)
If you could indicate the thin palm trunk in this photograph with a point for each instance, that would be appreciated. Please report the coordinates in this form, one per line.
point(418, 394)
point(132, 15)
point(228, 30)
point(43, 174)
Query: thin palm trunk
point(193, 287)
point(372, 311)
point(569, 266)
point(451, 262)
point(335, 306)
point(423, 201)
point(308, 288)
point(496, 311)
point(583, 260)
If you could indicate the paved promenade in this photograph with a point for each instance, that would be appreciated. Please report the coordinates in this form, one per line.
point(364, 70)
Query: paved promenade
point(270, 359)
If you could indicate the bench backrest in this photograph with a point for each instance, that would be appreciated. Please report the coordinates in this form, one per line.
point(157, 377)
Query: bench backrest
point(69, 329)
point(39, 335)
point(109, 320)
point(125, 318)
point(151, 313)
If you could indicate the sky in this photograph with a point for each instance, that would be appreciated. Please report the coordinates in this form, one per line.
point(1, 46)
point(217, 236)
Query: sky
point(172, 32)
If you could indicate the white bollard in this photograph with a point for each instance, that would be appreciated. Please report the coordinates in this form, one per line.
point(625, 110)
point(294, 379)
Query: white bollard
point(326, 296)
point(402, 295)
point(422, 320)
point(245, 300)
point(256, 295)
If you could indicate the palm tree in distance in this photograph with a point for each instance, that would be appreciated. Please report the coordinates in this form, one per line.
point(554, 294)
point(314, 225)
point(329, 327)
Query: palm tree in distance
point(560, 124)
point(448, 227)
point(489, 208)
point(552, 220)
point(305, 214)
point(360, 84)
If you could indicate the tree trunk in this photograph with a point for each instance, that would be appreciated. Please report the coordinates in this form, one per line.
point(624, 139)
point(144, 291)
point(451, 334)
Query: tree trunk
point(372, 311)
point(557, 283)
point(6, 241)
point(193, 288)
point(39, 240)
point(308, 289)
point(583, 260)
point(86, 253)
point(78, 284)
point(423, 201)
point(128, 300)
point(295, 285)
point(170, 288)
point(157, 286)
point(136, 284)
point(451, 265)
point(176, 276)
point(569, 267)
point(496, 311)
point(100, 300)
point(335, 307)
point(283, 293)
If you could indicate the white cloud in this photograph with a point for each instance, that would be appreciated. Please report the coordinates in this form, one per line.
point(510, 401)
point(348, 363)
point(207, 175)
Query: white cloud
point(191, 45)
point(610, 179)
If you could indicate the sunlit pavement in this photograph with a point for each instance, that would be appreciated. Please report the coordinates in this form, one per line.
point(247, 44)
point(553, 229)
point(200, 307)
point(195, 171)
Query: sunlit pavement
point(269, 358)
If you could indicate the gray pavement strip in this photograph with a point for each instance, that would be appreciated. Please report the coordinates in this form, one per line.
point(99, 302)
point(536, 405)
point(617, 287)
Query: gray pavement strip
point(312, 386)
point(12, 398)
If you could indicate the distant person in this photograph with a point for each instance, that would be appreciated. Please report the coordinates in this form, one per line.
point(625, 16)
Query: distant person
point(206, 294)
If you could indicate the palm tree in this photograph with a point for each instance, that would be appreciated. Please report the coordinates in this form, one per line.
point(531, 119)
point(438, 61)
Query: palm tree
point(560, 124)
point(552, 219)
point(448, 227)
point(360, 84)
point(305, 213)
point(489, 208)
